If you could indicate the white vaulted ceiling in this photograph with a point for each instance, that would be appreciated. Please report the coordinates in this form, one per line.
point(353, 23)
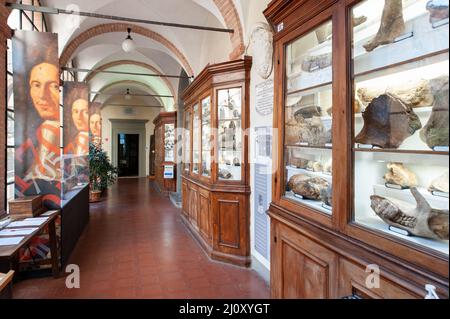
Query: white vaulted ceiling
point(197, 47)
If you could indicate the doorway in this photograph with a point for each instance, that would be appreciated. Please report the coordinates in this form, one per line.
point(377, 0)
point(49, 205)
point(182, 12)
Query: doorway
point(128, 155)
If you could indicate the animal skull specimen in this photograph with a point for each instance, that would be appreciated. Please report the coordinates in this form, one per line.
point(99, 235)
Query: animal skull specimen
point(421, 220)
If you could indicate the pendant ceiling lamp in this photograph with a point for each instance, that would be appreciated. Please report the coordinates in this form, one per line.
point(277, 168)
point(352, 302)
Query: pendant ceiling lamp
point(129, 45)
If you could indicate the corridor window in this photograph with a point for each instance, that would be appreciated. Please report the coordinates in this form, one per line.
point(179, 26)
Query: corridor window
point(18, 20)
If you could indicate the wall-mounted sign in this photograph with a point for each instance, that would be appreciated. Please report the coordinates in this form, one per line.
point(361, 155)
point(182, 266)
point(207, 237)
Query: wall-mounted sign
point(169, 171)
point(264, 98)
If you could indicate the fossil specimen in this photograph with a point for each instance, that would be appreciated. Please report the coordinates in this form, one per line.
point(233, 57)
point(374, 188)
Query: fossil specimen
point(292, 132)
point(388, 122)
point(412, 93)
point(298, 162)
point(327, 195)
point(224, 174)
point(420, 220)
point(440, 184)
point(435, 133)
point(315, 166)
point(392, 25)
point(317, 62)
point(307, 186)
point(400, 175)
point(328, 168)
point(311, 131)
point(307, 112)
point(438, 10)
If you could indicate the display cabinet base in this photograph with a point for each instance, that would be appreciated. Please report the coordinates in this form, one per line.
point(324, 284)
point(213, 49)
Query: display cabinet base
point(241, 261)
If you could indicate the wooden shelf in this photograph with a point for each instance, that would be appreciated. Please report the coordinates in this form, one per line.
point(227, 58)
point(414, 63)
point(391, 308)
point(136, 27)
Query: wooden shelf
point(389, 150)
point(309, 146)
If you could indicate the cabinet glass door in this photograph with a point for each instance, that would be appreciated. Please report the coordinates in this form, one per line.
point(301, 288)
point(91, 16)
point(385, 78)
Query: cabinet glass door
point(169, 142)
point(308, 120)
point(206, 137)
point(230, 134)
point(187, 141)
point(196, 140)
point(401, 123)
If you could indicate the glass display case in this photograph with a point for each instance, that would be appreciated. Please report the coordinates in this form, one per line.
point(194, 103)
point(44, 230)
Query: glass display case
point(401, 120)
point(308, 119)
point(206, 137)
point(187, 141)
point(169, 142)
point(196, 140)
point(230, 160)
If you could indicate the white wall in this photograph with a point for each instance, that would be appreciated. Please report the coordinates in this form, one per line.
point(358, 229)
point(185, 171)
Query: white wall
point(255, 15)
point(124, 113)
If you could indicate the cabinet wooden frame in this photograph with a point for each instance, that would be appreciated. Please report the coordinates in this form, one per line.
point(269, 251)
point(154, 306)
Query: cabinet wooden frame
point(217, 212)
point(292, 19)
point(164, 118)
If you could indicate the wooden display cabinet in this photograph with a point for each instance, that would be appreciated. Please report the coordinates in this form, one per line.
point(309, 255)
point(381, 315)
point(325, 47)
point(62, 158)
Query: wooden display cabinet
point(165, 140)
point(215, 161)
point(352, 114)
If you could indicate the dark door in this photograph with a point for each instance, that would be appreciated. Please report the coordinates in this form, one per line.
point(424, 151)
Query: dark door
point(128, 155)
point(152, 155)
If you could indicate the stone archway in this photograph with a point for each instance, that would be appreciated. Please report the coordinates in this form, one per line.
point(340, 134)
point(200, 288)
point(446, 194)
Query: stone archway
point(70, 48)
point(92, 74)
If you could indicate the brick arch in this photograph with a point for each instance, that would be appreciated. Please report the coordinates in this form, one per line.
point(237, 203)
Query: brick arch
point(92, 74)
point(129, 82)
point(70, 48)
point(232, 20)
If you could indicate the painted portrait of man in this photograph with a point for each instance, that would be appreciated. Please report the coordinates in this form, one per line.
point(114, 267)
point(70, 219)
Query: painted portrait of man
point(95, 123)
point(37, 116)
point(76, 119)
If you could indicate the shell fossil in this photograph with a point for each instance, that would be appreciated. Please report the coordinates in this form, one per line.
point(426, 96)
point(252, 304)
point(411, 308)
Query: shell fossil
point(440, 184)
point(421, 220)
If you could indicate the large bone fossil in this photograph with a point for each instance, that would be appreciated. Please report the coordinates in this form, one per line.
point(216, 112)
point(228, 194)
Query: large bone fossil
point(392, 25)
point(388, 122)
point(420, 220)
point(400, 175)
point(435, 133)
point(412, 93)
point(308, 187)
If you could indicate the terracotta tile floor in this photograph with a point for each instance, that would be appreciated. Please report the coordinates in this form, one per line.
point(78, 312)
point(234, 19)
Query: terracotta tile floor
point(136, 246)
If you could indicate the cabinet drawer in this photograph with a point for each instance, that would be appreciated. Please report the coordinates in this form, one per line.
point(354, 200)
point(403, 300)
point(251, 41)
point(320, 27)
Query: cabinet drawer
point(355, 280)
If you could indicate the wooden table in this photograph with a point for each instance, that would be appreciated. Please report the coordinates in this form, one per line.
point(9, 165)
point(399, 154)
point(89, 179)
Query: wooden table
point(9, 255)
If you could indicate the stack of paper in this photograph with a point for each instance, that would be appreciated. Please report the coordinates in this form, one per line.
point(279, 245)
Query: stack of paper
point(29, 222)
point(10, 241)
point(17, 232)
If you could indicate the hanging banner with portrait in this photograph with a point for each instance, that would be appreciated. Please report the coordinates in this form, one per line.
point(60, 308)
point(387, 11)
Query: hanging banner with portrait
point(95, 123)
point(75, 136)
point(37, 116)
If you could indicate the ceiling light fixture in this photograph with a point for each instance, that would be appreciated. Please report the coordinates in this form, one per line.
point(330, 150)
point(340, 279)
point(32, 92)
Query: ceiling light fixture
point(128, 95)
point(129, 45)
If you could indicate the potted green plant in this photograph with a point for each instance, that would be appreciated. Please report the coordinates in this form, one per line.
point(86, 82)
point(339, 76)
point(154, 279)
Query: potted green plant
point(102, 173)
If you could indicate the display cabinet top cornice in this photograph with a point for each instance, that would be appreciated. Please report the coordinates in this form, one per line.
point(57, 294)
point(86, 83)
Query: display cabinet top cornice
point(164, 115)
point(285, 15)
point(212, 69)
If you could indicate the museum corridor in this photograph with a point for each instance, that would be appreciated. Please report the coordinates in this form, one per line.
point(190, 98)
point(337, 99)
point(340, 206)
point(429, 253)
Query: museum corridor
point(136, 246)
